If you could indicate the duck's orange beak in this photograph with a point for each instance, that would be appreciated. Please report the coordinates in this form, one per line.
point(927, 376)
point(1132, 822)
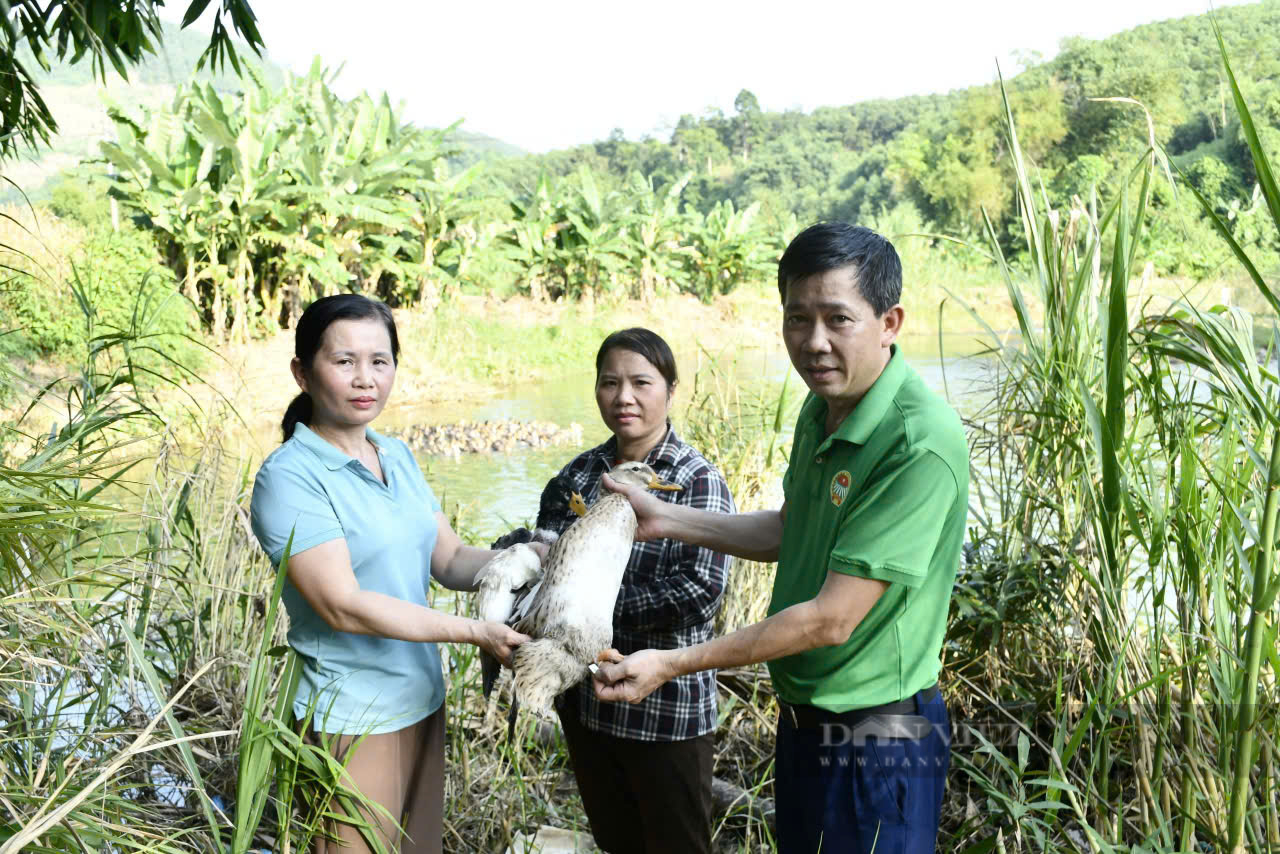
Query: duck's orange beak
point(661, 485)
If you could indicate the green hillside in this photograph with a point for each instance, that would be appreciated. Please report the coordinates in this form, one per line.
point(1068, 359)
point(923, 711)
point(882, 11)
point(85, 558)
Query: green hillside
point(940, 160)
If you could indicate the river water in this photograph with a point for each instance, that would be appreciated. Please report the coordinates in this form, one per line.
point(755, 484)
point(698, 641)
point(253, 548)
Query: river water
point(493, 493)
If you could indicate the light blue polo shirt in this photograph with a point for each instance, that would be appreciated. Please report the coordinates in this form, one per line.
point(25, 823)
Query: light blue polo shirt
point(358, 683)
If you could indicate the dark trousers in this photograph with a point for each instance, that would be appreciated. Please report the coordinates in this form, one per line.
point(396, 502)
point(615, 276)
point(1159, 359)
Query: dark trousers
point(842, 789)
point(642, 797)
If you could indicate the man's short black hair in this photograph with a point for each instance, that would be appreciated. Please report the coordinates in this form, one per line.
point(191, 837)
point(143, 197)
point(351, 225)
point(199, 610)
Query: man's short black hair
point(833, 245)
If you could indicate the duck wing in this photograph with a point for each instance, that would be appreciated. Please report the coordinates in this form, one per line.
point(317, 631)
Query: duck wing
point(582, 574)
point(502, 582)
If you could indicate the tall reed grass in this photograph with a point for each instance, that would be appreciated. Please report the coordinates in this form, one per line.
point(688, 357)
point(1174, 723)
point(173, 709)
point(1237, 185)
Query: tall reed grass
point(1120, 592)
point(136, 622)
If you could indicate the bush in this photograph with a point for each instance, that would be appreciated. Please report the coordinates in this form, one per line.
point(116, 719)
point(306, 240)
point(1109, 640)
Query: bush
point(114, 283)
point(81, 200)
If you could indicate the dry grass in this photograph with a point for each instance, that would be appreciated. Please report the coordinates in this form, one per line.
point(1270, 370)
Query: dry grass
point(37, 242)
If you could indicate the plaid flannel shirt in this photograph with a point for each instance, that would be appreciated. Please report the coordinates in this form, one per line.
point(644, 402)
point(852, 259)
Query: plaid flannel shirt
point(669, 597)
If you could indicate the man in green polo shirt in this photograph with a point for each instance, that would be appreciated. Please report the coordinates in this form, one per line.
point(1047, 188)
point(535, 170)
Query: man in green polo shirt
point(867, 543)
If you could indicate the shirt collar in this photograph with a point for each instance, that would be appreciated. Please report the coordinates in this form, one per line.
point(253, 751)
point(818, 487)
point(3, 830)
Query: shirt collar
point(328, 454)
point(667, 452)
point(858, 425)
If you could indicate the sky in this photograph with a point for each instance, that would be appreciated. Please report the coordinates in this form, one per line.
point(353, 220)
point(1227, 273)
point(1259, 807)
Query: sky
point(543, 75)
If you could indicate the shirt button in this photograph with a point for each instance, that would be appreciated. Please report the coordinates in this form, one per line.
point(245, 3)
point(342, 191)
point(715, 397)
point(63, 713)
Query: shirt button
point(820, 460)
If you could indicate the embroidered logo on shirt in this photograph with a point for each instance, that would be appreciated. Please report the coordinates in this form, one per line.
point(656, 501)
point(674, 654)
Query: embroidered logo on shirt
point(839, 487)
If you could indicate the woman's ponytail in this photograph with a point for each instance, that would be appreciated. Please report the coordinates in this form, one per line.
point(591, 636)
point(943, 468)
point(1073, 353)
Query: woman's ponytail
point(299, 412)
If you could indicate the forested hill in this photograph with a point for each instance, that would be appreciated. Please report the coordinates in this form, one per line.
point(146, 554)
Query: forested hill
point(945, 154)
point(174, 63)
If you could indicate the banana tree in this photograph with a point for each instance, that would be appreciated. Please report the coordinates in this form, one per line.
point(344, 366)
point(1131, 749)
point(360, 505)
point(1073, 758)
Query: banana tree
point(443, 217)
point(206, 178)
point(275, 195)
point(531, 242)
point(161, 173)
point(732, 247)
point(254, 192)
point(593, 246)
point(655, 237)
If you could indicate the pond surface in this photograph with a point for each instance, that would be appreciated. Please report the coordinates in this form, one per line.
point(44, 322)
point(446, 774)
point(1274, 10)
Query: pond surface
point(493, 493)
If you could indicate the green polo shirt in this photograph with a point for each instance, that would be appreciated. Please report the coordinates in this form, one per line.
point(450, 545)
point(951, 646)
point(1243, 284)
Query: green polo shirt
point(884, 497)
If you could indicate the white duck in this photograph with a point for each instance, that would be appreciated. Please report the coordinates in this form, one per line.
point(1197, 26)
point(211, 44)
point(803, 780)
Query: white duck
point(570, 613)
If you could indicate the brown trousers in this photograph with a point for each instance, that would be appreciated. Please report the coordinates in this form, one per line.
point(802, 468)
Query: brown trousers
point(403, 771)
point(642, 797)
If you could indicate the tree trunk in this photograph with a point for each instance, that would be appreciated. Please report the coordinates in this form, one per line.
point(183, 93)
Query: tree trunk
point(216, 321)
point(239, 304)
point(189, 282)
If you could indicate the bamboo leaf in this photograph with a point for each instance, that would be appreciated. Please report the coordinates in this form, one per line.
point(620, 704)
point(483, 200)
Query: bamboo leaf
point(194, 11)
point(1261, 165)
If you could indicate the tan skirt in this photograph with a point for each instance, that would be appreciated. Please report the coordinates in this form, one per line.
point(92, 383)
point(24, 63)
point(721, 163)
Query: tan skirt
point(403, 771)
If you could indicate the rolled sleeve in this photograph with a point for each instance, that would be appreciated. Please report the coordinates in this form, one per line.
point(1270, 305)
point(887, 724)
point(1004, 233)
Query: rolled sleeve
point(286, 501)
point(691, 590)
point(890, 532)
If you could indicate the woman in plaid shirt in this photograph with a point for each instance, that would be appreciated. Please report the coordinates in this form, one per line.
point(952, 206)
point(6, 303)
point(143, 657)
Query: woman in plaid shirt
point(644, 770)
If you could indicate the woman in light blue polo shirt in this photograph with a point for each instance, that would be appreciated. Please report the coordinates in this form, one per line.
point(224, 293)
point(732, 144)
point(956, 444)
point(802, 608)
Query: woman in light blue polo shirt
point(367, 537)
